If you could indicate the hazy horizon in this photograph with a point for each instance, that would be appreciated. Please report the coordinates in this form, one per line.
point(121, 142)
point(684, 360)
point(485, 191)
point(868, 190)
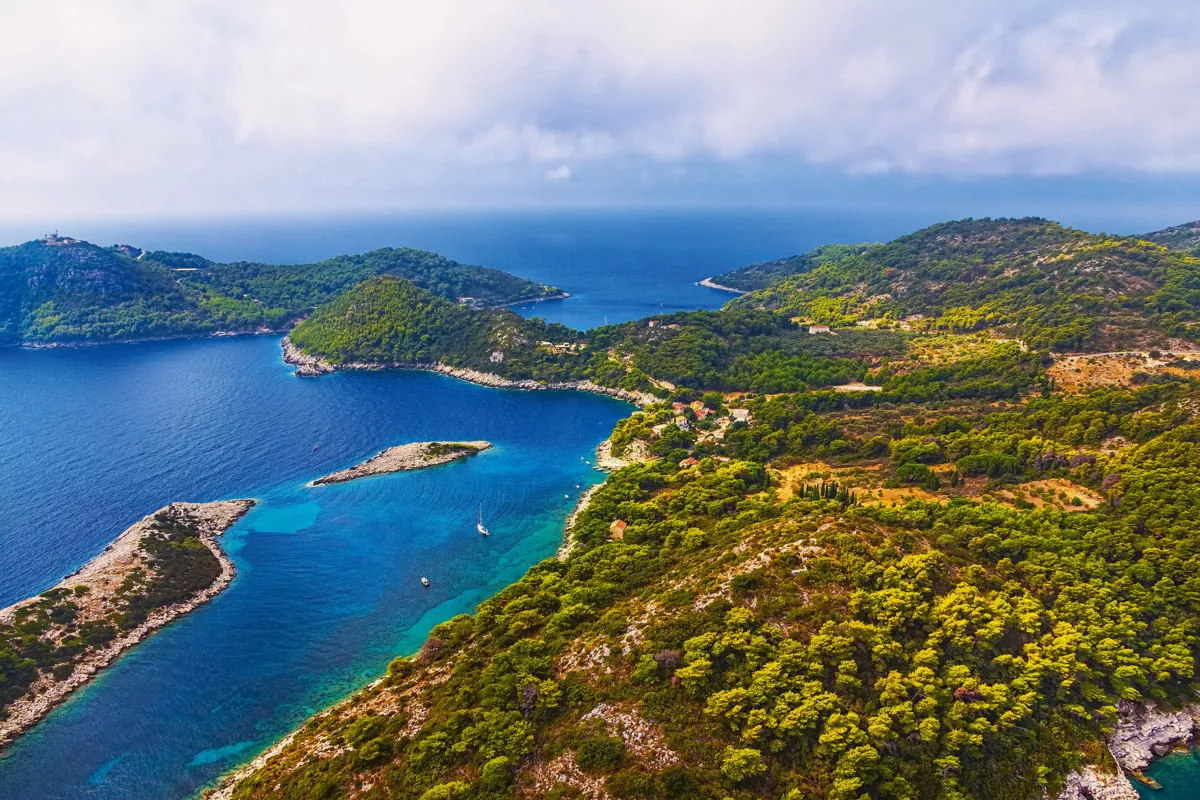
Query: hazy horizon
point(119, 110)
point(248, 236)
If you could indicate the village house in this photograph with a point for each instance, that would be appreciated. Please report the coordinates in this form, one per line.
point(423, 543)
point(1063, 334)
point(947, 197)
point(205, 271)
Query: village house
point(815, 329)
point(678, 406)
point(740, 415)
point(683, 423)
point(688, 462)
point(617, 529)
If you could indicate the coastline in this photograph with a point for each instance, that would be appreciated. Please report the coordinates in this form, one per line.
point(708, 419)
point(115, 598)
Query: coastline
point(223, 788)
point(312, 366)
point(568, 544)
point(104, 572)
point(284, 329)
point(559, 296)
point(711, 284)
point(148, 339)
point(606, 461)
point(1143, 733)
point(405, 458)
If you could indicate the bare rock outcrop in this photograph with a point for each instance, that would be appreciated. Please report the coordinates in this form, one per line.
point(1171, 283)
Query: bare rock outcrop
point(1148, 731)
point(1143, 732)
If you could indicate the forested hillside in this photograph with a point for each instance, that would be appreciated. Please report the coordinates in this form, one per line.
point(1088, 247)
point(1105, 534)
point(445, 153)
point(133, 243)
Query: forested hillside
point(59, 290)
point(959, 618)
point(759, 276)
point(935, 584)
point(388, 320)
point(1051, 286)
point(1184, 237)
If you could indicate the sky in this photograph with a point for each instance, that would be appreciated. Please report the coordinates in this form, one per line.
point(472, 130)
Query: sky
point(132, 108)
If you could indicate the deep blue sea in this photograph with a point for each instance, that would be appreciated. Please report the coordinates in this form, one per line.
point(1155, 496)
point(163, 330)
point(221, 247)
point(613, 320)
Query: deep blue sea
point(328, 587)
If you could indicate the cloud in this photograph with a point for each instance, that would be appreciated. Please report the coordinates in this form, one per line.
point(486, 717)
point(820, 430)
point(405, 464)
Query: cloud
point(277, 104)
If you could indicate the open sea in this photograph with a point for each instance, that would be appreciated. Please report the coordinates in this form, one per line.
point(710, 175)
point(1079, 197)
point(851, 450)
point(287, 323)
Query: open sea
point(327, 590)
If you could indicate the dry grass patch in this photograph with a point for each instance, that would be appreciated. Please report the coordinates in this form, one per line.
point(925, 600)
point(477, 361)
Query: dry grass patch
point(1053, 492)
point(898, 496)
point(793, 478)
point(1078, 372)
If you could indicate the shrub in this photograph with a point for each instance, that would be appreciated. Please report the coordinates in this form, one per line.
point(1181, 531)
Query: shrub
point(600, 752)
point(447, 791)
point(742, 763)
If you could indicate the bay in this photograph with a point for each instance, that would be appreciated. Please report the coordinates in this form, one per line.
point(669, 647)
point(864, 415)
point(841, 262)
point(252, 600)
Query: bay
point(328, 587)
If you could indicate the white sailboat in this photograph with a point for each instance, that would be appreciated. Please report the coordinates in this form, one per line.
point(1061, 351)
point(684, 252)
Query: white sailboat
point(479, 523)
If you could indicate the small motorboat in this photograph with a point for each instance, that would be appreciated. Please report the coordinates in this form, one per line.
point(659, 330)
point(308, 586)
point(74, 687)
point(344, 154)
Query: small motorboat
point(425, 582)
point(479, 526)
point(316, 447)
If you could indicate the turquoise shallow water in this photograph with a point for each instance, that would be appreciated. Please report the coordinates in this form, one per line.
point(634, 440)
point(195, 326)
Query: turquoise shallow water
point(1179, 776)
point(328, 578)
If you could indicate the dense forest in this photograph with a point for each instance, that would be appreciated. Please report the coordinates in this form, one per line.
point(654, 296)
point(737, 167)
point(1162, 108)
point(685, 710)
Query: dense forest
point(58, 290)
point(935, 584)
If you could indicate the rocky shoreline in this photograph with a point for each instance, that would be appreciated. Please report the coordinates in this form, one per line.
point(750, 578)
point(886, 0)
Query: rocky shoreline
point(406, 457)
point(103, 575)
point(606, 461)
point(308, 366)
point(170, 338)
point(559, 296)
point(711, 284)
point(568, 544)
point(637, 452)
point(1143, 733)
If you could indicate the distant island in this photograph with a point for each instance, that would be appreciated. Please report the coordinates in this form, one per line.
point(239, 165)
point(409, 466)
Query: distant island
point(58, 291)
point(405, 457)
point(159, 569)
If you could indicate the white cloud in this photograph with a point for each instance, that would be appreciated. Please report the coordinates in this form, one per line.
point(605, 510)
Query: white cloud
point(559, 173)
point(139, 107)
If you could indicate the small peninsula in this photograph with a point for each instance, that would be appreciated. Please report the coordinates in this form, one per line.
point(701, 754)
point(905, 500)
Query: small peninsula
point(159, 569)
point(406, 457)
